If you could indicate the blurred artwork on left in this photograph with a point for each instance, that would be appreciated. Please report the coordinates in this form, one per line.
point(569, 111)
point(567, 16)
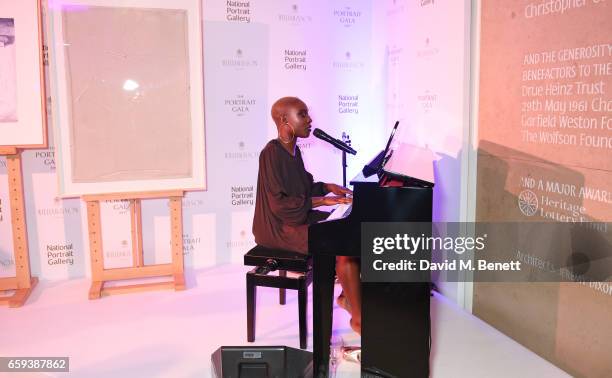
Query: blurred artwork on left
point(23, 100)
point(8, 72)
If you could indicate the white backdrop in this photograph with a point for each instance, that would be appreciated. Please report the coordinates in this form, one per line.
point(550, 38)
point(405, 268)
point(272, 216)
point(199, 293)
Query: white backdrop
point(427, 79)
point(428, 87)
point(320, 51)
point(359, 65)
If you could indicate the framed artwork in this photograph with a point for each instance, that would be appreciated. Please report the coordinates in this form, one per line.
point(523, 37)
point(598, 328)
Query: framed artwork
point(22, 92)
point(128, 92)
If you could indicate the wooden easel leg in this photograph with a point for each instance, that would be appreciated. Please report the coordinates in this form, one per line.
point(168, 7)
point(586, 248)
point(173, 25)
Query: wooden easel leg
point(136, 220)
point(99, 275)
point(21, 295)
point(95, 248)
point(95, 290)
point(24, 283)
point(176, 225)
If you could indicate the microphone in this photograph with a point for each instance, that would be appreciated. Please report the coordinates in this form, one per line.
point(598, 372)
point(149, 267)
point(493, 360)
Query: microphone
point(333, 141)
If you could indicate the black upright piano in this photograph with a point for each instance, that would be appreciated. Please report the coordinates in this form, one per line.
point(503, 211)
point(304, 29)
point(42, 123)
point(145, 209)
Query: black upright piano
point(395, 316)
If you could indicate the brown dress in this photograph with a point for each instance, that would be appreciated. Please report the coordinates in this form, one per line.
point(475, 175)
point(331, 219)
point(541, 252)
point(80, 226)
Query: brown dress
point(283, 207)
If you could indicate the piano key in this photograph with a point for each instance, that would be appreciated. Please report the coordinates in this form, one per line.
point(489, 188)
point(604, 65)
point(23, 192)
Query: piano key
point(340, 211)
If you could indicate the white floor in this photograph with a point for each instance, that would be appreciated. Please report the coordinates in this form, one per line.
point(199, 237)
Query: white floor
point(173, 334)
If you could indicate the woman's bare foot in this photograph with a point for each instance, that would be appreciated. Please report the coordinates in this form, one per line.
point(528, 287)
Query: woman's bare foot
point(343, 303)
point(356, 325)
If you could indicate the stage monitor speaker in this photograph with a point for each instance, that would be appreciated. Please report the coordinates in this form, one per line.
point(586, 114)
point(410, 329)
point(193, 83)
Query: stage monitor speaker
point(261, 362)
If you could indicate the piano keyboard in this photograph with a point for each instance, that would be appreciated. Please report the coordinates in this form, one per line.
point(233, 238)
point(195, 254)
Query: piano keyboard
point(343, 209)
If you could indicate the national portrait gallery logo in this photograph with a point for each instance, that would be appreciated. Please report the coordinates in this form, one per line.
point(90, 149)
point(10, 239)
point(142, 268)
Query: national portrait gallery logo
point(238, 11)
point(240, 105)
point(295, 60)
point(348, 103)
point(348, 63)
point(294, 15)
point(347, 16)
point(60, 254)
point(242, 195)
point(240, 60)
point(242, 152)
point(58, 211)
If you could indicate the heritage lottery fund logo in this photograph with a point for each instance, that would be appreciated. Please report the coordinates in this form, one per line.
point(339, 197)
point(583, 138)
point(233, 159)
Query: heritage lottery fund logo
point(558, 200)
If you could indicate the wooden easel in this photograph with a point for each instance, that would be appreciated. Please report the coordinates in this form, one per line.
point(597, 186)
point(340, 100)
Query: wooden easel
point(138, 270)
point(23, 282)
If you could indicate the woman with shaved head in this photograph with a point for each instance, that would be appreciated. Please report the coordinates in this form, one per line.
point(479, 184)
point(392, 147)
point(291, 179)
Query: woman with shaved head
point(287, 195)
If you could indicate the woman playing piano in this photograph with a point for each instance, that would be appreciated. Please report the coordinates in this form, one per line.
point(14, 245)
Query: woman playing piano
point(287, 194)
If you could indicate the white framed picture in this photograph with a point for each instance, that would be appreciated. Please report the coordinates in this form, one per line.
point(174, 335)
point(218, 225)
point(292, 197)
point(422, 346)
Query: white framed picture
point(22, 92)
point(127, 85)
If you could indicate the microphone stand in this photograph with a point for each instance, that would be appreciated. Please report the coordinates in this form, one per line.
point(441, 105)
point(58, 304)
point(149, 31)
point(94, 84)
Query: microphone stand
point(346, 139)
point(344, 168)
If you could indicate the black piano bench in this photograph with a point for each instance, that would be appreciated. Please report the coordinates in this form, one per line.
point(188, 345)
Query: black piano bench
point(267, 260)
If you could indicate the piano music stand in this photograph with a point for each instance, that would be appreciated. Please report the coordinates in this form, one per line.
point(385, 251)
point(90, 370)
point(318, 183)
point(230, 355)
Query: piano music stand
point(347, 140)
